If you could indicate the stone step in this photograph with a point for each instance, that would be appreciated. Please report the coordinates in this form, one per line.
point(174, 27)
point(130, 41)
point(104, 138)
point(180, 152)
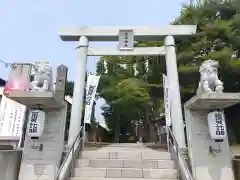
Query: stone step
point(120, 163)
point(136, 155)
point(96, 178)
point(125, 173)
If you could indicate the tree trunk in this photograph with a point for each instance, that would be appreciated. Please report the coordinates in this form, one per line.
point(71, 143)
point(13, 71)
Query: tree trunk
point(150, 128)
point(117, 130)
point(152, 134)
point(156, 113)
point(148, 125)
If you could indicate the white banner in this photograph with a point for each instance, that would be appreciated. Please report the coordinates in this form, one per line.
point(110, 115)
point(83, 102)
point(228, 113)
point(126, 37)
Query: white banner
point(12, 115)
point(36, 121)
point(167, 101)
point(92, 84)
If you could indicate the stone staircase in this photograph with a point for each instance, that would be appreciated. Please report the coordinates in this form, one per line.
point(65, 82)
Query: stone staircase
point(124, 161)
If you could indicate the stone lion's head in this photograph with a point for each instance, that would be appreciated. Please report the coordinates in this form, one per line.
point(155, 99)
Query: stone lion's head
point(209, 65)
point(209, 70)
point(42, 67)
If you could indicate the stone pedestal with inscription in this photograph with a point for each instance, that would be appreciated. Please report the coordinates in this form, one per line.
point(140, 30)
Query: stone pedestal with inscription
point(41, 156)
point(208, 163)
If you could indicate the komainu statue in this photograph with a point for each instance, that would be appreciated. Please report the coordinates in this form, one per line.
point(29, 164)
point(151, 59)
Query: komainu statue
point(41, 76)
point(209, 81)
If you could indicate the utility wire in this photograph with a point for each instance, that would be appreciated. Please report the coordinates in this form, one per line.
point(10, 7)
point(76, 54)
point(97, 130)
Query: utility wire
point(6, 64)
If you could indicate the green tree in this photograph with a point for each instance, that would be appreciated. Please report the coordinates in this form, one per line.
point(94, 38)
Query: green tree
point(125, 101)
point(152, 77)
point(218, 38)
point(139, 97)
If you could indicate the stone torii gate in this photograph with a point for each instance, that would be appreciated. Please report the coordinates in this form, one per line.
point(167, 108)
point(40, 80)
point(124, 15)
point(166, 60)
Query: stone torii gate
point(85, 34)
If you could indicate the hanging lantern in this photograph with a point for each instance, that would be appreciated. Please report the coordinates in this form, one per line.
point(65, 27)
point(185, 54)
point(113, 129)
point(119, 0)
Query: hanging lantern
point(124, 66)
point(218, 15)
point(36, 120)
point(217, 125)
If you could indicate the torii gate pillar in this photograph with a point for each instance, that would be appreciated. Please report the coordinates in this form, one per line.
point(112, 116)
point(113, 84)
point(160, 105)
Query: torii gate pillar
point(175, 98)
point(79, 87)
point(85, 34)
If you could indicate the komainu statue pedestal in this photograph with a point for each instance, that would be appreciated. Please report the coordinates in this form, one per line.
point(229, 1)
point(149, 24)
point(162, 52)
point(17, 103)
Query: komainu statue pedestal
point(210, 160)
point(42, 157)
point(44, 138)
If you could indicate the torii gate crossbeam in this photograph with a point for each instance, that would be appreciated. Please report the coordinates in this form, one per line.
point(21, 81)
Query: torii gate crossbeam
point(85, 34)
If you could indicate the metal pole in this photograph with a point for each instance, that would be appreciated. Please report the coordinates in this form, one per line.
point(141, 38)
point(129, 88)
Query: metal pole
point(167, 131)
point(79, 88)
point(175, 100)
point(159, 135)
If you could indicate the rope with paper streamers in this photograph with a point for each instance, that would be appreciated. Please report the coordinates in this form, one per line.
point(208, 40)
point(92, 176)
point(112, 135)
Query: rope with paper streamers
point(107, 65)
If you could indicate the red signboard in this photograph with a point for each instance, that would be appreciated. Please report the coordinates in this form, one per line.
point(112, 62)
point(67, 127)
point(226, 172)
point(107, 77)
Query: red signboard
point(16, 85)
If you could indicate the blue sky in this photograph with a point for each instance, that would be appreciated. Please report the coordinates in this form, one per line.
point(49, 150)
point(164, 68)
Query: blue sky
point(28, 30)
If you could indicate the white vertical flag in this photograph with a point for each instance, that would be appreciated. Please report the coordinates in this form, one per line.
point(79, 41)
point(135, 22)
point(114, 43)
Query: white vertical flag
point(92, 83)
point(166, 101)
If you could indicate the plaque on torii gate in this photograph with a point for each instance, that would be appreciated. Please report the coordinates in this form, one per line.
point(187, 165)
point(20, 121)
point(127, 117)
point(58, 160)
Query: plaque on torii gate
point(126, 40)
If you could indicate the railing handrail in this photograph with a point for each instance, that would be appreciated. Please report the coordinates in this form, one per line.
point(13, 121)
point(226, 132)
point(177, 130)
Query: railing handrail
point(66, 159)
point(186, 168)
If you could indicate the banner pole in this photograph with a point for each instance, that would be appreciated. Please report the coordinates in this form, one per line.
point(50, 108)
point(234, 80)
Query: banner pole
point(167, 107)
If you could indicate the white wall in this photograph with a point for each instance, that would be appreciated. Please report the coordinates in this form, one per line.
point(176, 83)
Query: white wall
point(12, 115)
point(10, 164)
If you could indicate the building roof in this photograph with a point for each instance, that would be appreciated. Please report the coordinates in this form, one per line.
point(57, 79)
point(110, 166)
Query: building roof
point(2, 82)
point(69, 100)
point(103, 125)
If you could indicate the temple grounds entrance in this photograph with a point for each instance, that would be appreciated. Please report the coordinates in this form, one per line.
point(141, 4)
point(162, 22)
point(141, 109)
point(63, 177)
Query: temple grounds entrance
point(126, 37)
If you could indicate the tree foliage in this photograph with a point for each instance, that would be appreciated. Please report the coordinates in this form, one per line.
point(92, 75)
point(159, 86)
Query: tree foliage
point(126, 96)
point(217, 37)
point(139, 97)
